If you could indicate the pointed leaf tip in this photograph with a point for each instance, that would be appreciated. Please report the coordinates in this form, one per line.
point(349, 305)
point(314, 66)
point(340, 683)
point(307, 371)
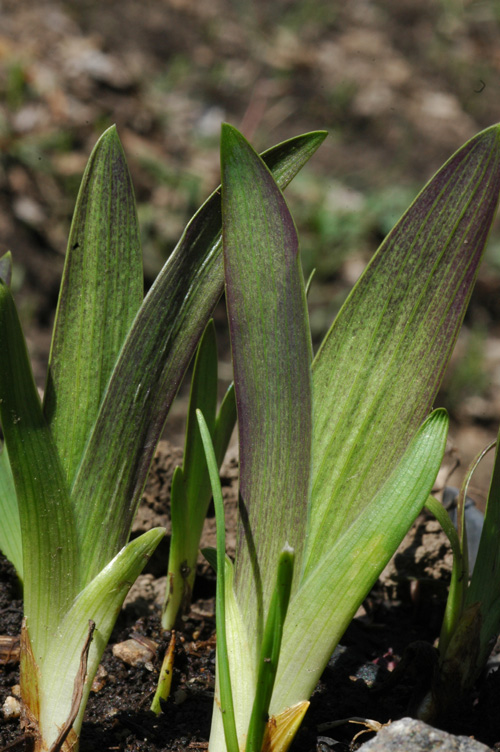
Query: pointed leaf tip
point(109, 138)
point(231, 139)
point(111, 131)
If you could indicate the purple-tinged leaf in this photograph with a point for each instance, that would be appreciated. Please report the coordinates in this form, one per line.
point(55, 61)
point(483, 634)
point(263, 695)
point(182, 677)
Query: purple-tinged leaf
point(271, 358)
point(150, 368)
point(379, 368)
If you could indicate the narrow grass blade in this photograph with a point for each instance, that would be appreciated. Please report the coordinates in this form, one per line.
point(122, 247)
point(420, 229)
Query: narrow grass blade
point(103, 260)
point(241, 664)
point(50, 563)
point(194, 493)
point(151, 366)
point(224, 674)
point(459, 574)
point(270, 651)
point(179, 575)
point(271, 355)
point(484, 588)
point(224, 424)
point(309, 282)
point(378, 370)
point(322, 608)
point(442, 516)
point(99, 602)
point(203, 396)
point(11, 543)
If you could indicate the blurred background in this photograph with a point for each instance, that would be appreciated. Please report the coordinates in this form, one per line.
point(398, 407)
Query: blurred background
point(399, 85)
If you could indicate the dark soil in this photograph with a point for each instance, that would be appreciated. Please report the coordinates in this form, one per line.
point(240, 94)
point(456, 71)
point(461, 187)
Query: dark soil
point(379, 671)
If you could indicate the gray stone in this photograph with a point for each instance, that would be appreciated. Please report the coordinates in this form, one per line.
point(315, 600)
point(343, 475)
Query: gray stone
point(410, 735)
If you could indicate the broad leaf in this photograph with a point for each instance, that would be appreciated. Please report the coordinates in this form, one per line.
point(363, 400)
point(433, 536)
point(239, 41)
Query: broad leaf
point(50, 562)
point(150, 367)
point(11, 543)
point(322, 608)
point(100, 602)
point(101, 291)
point(379, 368)
point(270, 345)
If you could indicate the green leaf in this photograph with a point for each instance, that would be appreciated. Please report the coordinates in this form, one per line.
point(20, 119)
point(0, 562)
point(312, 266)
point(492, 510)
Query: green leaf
point(99, 602)
point(484, 588)
point(242, 665)
point(190, 500)
point(210, 555)
point(11, 543)
point(224, 424)
point(270, 345)
point(180, 574)
point(377, 372)
point(270, 651)
point(442, 516)
point(101, 291)
point(223, 668)
point(150, 368)
point(203, 396)
point(50, 561)
point(322, 608)
point(459, 578)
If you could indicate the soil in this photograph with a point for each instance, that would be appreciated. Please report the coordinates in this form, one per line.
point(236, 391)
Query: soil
point(377, 672)
point(400, 84)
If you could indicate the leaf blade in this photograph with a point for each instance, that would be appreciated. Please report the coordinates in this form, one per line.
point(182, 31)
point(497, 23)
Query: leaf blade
point(100, 601)
point(151, 365)
point(270, 345)
point(11, 543)
point(394, 336)
point(327, 599)
point(104, 262)
point(223, 667)
point(50, 556)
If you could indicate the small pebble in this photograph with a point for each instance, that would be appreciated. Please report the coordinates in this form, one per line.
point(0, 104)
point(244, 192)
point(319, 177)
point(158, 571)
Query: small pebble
point(99, 679)
point(133, 653)
point(11, 708)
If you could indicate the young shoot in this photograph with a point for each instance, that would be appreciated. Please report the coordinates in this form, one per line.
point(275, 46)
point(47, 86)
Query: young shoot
point(472, 617)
